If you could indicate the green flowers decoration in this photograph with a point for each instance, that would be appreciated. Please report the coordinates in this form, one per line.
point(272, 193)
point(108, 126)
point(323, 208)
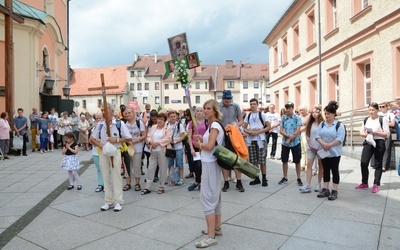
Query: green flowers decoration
point(182, 73)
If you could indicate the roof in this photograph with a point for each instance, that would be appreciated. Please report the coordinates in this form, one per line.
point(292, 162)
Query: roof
point(148, 64)
point(25, 10)
point(84, 78)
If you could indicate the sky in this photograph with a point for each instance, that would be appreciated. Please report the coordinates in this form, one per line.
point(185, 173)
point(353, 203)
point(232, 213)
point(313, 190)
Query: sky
point(109, 33)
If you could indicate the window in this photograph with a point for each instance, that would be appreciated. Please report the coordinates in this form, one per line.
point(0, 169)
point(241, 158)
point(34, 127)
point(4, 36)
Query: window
point(313, 91)
point(255, 84)
point(157, 100)
point(132, 73)
point(139, 86)
point(284, 50)
point(134, 99)
point(268, 98)
point(139, 73)
point(331, 16)
point(157, 86)
point(166, 99)
point(296, 40)
point(337, 88)
point(334, 14)
point(367, 83)
point(245, 97)
point(266, 83)
point(364, 4)
point(197, 99)
point(144, 99)
point(276, 57)
point(176, 86)
point(197, 85)
point(231, 84)
point(359, 6)
point(146, 86)
point(206, 85)
point(395, 66)
point(245, 85)
point(132, 87)
point(184, 99)
point(310, 28)
point(333, 83)
point(84, 103)
point(114, 101)
point(166, 86)
point(99, 102)
point(256, 96)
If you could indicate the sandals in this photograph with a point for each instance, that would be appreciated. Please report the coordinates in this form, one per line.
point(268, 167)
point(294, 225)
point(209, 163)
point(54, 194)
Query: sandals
point(160, 191)
point(127, 187)
point(137, 187)
point(145, 191)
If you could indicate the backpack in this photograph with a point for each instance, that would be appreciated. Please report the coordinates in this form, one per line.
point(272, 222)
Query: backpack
point(118, 124)
point(229, 146)
point(337, 127)
point(259, 117)
point(380, 120)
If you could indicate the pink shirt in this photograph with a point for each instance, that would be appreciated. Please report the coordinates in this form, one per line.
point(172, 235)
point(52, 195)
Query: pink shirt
point(4, 129)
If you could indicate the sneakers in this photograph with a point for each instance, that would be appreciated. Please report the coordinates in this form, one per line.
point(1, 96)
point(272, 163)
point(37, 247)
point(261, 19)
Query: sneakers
point(106, 206)
point(218, 232)
point(264, 183)
point(207, 242)
point(283, 181)
point(99, 188)
point(362, 186)
point(226, 186)
point(299, 182)
point(317, 188)
point(117, 207)
point(375, 188)
point(324, 193)
point(239, 187)
point(179, 183)
point(305, 189)
point(193, 187)
point(333, 195)
point(255, 181)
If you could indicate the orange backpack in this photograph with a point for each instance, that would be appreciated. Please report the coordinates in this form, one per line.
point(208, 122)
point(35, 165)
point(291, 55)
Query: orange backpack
point(237, 141)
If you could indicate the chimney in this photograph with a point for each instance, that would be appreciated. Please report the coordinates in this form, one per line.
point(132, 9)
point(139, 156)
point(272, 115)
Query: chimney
point(229, 64)
point(136, 57)
point(199, 68)
point(239, 69)
point(155, 57)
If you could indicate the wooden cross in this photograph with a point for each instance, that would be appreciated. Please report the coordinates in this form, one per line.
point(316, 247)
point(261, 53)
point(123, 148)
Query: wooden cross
point(9, 16)
point(105, 106)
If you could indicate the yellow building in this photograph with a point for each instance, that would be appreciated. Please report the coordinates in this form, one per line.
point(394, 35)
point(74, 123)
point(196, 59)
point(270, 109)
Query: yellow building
point(356, 43)
point(40, 53)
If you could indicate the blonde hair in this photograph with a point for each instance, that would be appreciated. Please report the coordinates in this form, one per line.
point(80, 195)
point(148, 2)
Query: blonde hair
point(215, 105)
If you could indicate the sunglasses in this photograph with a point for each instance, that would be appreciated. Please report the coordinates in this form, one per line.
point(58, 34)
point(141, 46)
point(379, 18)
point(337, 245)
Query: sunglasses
point(382, 106)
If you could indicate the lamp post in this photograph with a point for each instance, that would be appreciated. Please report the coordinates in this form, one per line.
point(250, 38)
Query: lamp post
point(66, 90)
point(319, 54)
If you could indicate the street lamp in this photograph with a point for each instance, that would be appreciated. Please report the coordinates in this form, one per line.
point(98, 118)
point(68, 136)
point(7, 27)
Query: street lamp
point(66, 91)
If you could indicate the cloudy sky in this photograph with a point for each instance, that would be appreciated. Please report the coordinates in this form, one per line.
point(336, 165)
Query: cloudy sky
point(107, 33)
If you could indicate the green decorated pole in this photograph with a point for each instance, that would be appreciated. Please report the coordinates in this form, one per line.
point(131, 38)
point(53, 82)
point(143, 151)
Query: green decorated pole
point(245, 167)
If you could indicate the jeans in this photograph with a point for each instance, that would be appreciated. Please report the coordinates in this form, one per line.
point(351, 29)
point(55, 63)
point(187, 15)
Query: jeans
point(177, 161)
point(274, 142)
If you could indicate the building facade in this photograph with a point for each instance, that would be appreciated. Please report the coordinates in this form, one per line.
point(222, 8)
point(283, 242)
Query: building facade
point(40, 52)
point(348, 51)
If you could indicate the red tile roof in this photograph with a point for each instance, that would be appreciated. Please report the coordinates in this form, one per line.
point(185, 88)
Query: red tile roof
point(84, 78)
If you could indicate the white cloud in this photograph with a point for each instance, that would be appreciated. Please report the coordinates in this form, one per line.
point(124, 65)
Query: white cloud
point(104, 32)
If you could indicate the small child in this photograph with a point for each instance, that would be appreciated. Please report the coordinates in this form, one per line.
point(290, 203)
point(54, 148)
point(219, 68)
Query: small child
point(50, 131)
point(70, 162)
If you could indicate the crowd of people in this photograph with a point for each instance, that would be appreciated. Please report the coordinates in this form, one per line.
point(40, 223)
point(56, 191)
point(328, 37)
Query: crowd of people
point(311, 139)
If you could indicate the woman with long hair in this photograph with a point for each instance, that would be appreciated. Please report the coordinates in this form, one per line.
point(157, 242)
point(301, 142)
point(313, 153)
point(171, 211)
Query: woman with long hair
point(4, 135)
point(312, 148)
point(210, 193)
point(330, 136)
point(376, 127)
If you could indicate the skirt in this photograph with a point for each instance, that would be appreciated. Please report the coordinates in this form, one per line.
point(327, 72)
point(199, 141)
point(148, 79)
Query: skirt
point(70, 163)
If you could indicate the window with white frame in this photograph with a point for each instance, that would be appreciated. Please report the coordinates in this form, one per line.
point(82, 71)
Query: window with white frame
point(206, 85)
point(185, 99)
point(231, 84)
point(268, 98)
point(197, 85)
point(84, 102)
point(364, 4)
point(166, 99)
point(337, 87)
point(266, 83)
point(166, 86)
point(134, 99)
point(132, 87)
point(334, 14)
point(197, 99)
point(139, 86)
point(99, 102)
point(139, 73)
point(144, 99)
point(367, 83)
point(245, 97)
point(157, 100)
point(157, 86)
point(176, 86)
point(256, 85)
point(245, 85)
point(146, 86)
point(132, 73)
point(114, 101)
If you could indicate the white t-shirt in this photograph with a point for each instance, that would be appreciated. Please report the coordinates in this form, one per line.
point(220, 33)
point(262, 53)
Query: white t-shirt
point(273, 119)
point(389, 115)
point(253, 121)
point(177, 134)
point(207, 156)
point(54, 120)
point(136, 133)
point(375, 125)
point(157, 136)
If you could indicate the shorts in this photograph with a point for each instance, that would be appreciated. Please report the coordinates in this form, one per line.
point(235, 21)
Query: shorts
point(257, 154)
point(296, 152)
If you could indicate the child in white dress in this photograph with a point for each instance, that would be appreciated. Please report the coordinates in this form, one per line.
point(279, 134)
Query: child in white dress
point(70, 162)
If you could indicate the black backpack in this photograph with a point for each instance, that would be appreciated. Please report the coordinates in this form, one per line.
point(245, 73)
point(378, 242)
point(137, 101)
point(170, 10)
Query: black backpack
point(337, 127)
point(259, 117)
point(229, 146)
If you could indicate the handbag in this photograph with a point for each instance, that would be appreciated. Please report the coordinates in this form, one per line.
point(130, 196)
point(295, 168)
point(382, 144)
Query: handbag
point(37, 139)
point(170, 153)
point(61, 131)
point(17, 142)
